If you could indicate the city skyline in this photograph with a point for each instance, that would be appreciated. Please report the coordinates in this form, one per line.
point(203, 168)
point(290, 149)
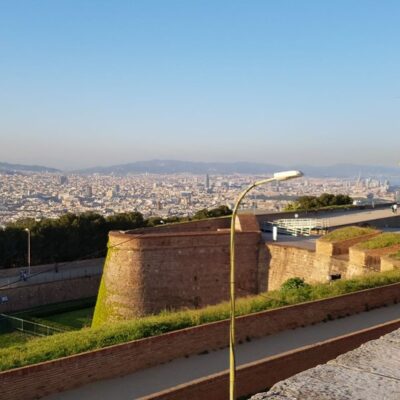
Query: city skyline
point(276, 82)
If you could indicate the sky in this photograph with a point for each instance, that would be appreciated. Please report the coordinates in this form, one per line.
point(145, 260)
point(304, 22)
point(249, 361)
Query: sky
point(91, 82)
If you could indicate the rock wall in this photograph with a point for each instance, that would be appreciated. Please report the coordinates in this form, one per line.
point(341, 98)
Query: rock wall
point(284, 262)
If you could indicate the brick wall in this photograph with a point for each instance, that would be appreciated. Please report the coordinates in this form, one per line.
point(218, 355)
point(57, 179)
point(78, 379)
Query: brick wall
point(284, 262)
point(70, 265)
point(364, 260)
point(388, 263)
point(30, 296)
point(257, 376)
point(327, 248)
point(212, 224)
point(148, 274)
point(36, 381)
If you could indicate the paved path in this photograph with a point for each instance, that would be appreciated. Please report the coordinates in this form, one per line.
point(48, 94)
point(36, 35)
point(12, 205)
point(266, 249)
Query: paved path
point(186, 369)
point(355, 217)
point(370, 372)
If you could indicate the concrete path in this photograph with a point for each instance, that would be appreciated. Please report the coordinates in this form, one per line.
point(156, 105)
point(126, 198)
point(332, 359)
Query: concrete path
point(184, 370)
point(355, 217)
point(370, 372)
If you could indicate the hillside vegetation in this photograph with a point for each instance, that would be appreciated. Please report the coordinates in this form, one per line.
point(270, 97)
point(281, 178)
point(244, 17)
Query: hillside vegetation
point(349, 232)
point(379, 242)
point(64, 344)
point(326, 200)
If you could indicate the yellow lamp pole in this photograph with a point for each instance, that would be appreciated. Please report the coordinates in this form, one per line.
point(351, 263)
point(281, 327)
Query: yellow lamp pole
point(279, 176)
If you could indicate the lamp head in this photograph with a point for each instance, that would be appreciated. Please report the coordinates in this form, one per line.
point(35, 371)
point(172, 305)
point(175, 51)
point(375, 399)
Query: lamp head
point(26, 229)
point(286, 175)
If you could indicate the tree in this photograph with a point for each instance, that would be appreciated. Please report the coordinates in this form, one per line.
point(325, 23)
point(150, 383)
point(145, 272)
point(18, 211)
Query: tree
point(313, 202)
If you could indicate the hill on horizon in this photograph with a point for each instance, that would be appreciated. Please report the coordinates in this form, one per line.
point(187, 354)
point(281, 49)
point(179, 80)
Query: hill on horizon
point(175, 166)
point(222, 168)
point(8, 167)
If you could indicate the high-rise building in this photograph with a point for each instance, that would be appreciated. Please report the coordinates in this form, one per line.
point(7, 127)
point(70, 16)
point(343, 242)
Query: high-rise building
point(207, 184)
point(87, 191)
point(62, 179)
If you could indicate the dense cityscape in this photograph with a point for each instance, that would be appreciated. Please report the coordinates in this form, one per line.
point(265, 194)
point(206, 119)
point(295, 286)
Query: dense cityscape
point(49, 195)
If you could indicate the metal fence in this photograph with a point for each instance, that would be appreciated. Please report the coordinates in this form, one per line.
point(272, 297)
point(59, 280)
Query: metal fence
point(9, 323)
point(51, 275)
point(299, 226)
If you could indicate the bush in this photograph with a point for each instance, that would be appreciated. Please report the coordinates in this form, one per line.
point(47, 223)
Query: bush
point(293, 283)
point(323, 201)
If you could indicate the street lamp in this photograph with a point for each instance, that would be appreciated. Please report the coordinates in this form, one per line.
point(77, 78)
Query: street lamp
point(29, 250)
point(278, 176)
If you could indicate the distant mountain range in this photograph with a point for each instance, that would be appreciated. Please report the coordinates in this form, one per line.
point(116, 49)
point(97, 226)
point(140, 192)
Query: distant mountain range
point(173, 167)
point(6, 167)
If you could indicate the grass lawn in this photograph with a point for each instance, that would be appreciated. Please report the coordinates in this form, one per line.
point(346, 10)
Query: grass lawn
point(381, 241)
point(65, 321)
point(76, 319)
point(346, 233)
point(14, 338)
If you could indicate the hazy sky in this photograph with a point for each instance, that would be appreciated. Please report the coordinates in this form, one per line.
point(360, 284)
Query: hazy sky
point(88, 83)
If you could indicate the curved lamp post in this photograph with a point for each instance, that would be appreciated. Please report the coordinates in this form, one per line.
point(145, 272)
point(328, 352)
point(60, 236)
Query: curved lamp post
point(278, 176)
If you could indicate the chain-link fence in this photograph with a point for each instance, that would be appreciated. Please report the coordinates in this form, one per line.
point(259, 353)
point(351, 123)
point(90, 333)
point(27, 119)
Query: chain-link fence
point(55, 274)
point(9, 323)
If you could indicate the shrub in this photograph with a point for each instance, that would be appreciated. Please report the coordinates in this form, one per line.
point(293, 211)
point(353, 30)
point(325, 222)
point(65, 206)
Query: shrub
point(293, 283)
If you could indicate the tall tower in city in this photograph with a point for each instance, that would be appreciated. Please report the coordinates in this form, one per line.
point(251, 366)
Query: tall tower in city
point(62, 180)
point(207, 182)
point(87, 190)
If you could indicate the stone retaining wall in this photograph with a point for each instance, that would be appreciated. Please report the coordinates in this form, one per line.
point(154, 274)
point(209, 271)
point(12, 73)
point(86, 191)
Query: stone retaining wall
point(339, 247)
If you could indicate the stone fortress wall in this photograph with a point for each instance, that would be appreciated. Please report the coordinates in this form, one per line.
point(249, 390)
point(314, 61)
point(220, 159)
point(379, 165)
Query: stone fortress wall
point(174, 267)
point(187, 266)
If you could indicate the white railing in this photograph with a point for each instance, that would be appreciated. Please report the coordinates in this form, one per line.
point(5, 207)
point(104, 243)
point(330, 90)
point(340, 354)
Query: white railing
point(26, 326)
point(300, 226)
